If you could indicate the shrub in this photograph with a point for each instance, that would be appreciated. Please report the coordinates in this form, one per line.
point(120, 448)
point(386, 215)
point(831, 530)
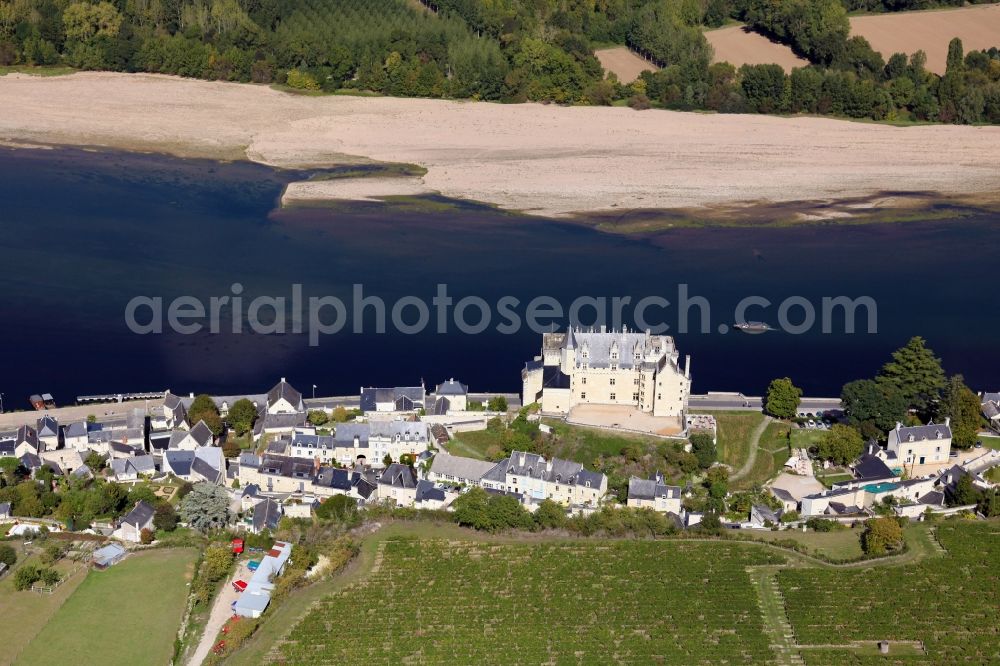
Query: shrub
point(301, 80)
point(8, 555)
point(146, 536)
point(639, 102)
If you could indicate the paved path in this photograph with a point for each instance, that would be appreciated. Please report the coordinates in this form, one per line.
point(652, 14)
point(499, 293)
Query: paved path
point(754, 442)
point(220, 614)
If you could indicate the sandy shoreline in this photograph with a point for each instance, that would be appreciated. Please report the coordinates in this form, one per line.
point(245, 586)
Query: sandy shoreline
point(546, 160)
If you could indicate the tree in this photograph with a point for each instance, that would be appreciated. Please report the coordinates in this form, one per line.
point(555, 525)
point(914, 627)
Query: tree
point(881, 536)
point(146, 536)
point(964, 492)
point(387, 460)
point(550, 515)
point(95, 461)
point(783, 398)
point(877, 403)
point(242, 416)
point(916, 373)
point(472, 509)
point(164, 517)
point(497, 404)
point(218, 560)
point(231, 448)
point(84, 21)
point(338, 507)
point(956, 58)
point(962, 406)
point(206, 507)
point(842, 444)
point(8, 555)
point(203, 409)
point(703, 448)
point(318, 417)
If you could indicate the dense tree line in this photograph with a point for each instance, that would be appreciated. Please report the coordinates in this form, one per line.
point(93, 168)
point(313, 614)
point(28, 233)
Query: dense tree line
point(512, 50)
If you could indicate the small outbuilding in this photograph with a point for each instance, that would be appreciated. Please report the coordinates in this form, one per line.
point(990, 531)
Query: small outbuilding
point(108, 556)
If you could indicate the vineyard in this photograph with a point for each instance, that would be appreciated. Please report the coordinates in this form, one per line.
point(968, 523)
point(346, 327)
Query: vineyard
point(435, 601)
point(949, 605)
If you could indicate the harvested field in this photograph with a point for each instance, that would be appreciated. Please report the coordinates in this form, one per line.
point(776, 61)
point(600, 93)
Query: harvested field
point(740, 46)
point(626, 65)
point(908, 32)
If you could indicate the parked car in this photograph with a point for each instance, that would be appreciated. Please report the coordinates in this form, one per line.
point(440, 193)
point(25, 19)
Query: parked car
point(240, 585)
point(253, 564)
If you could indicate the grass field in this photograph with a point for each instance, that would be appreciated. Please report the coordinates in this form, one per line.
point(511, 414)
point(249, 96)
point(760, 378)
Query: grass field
point(739, 46)
point(31, 610)
point(126, 615)
point(908, 32)
point(772, 455)
point(734, 431)
point(473, 444)
point(949, 604)
point(837, 545)
point(442, 601)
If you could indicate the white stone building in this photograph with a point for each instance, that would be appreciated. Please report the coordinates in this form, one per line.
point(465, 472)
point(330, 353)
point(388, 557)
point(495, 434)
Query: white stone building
point(603, 367)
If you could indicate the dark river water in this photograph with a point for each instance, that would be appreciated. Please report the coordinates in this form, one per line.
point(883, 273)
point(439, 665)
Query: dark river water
point(84, 233)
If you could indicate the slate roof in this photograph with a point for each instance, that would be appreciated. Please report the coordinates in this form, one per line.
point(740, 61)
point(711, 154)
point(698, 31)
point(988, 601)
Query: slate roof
point(924, 432)
point(933, 498)
point(47, 427)
point(206, 470)
point(649, 489)
point(27, 434)
point(872, 467)
point(249, 459)
point(403, 398)
point(201, 433)
point(460, 467)
point(365, 488)
point(76, 429)
point(140, 515)
point(179, 461)
point(452, 387)
point(284, 390)
point(398, 476)
point(764, 513)
point(599, 347)
point(31, 461)
point(440, 433)
point(554, 377)
point(332, 477)
point(266, 515)
point(82, 472)
point(5, 508)
point(138, 464)
point(298, 468)
point(426, 492)
point(7, 448)
point(438, 406)
point(346, 432)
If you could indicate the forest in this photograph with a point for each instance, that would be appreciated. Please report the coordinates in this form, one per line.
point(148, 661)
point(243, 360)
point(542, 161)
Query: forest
point(513, 51)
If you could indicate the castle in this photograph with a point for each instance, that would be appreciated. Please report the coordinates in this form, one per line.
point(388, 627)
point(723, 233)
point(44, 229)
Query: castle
point(602, 367)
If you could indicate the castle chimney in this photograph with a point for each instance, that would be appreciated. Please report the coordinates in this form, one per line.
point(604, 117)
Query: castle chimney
point(687, 367)
point(947, 421)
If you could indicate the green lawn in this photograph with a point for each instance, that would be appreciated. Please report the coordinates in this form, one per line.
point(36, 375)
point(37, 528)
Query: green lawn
point(989, 441)
point(771, 457)
point(126, 615)
point(837, 545)
point(734, 431)
point(803, 438)
point(31, 610)
point(584, 445)
point(473, 444)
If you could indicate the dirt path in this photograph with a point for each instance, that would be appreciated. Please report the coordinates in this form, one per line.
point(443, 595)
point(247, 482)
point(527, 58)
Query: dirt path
point(754, 443)
point(221, 612)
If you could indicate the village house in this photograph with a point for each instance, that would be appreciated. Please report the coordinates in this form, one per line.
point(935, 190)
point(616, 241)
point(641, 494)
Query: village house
point(140, 518)
point(283, 475)
point(449, 396)
point(990, 403)
point(921, 449)
point(75, 436)
point(428, 496)
point(266, 516)
point(398, 399)
point(446, 468)
point(370, 443)
point(26, 442)
point(537, 479)
point(62, 461)
point(654, 493)
point(7, 448)
point(398, 483)
point(282, 411)
point(583, 367)
point(172, 414)
point(132, 468)
point(188, 440)
point(47, 430)
point(360, 484)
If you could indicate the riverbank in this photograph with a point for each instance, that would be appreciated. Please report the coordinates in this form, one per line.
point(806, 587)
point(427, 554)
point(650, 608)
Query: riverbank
point(540, 159)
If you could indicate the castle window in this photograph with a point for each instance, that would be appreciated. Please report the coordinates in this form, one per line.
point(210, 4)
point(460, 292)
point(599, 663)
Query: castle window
point(614, 397)
point(635, 397)
point(612, 381)
point(583, 396)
